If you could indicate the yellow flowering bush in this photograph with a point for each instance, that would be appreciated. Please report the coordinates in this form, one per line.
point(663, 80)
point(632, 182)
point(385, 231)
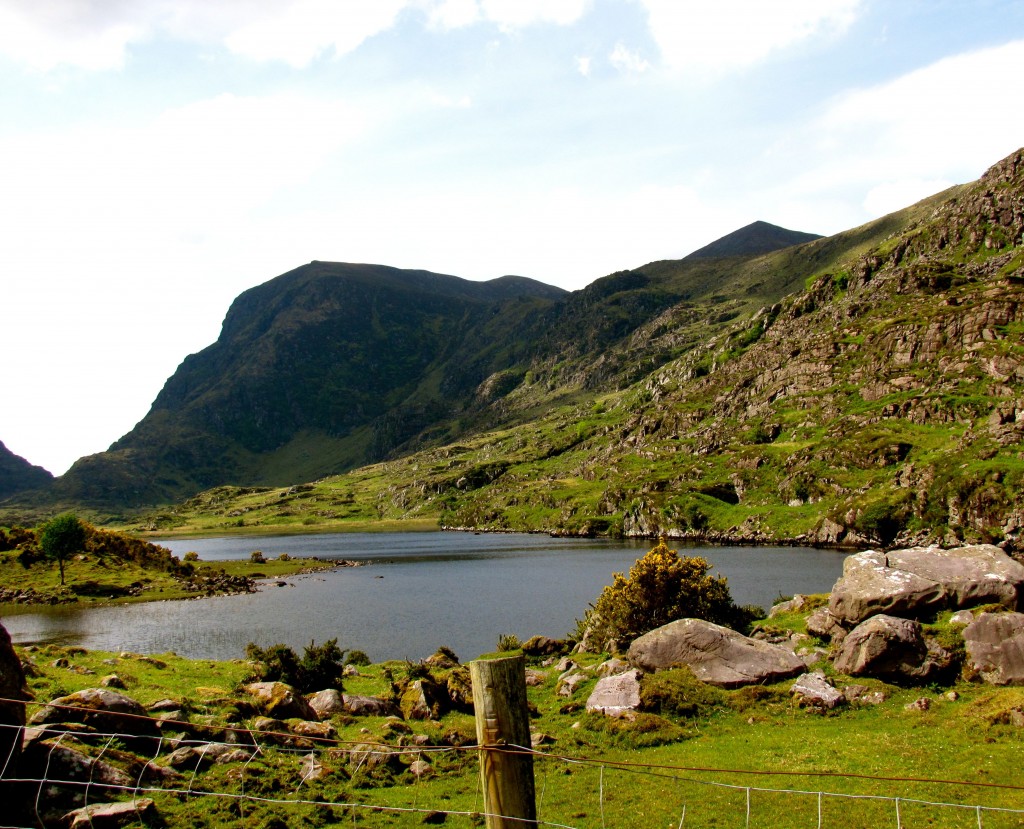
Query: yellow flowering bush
point(661, 587)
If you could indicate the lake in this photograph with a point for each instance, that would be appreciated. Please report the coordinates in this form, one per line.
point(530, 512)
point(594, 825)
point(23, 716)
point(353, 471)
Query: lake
point(417, 591)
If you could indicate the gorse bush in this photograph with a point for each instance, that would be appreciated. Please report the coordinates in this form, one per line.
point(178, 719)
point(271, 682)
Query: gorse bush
point(661, 587)
point(320, 667)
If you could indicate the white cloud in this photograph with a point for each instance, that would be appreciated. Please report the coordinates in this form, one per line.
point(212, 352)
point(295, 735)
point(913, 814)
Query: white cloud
point(508, 14)
point(941, 119)
point(896, 194)
point(626, 61)
point(731, 34)
point(300, 31)
point(44, 34)
point(583, 66)
point(882, 148)
point(454, 14)
point(520, 13)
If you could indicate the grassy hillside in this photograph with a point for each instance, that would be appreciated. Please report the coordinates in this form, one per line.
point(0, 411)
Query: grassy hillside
point(697, 748)
point(881, 404)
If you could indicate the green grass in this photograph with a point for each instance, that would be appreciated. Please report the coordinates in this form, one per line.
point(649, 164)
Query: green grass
point(600, 772)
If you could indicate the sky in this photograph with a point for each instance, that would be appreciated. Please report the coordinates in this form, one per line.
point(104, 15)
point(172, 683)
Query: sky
point(159, 157)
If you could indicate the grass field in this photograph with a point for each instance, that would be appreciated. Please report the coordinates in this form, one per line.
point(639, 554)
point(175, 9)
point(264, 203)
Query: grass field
point(752, 746)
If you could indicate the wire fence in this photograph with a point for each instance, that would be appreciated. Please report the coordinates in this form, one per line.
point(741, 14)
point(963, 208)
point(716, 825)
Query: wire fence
point(91, 767)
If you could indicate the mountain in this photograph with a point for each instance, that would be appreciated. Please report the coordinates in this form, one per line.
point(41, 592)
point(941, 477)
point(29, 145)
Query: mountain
point(335, 365)
point(755, 238)
point(18, 475)
point(857, 388)
point(880, 402)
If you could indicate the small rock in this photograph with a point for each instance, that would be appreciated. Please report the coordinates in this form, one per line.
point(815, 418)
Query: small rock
point(112, 681)
point(568, 684)
point(420, 769)
point(952, 696)
point(103, 815)
point(814, 691)
point(920, 704)
point(312, 768)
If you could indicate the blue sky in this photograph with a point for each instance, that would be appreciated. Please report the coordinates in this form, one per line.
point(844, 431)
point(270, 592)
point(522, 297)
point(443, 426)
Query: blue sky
point(158, 157)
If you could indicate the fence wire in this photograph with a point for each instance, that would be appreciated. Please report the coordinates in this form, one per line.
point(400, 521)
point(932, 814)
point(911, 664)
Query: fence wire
point(261, 745)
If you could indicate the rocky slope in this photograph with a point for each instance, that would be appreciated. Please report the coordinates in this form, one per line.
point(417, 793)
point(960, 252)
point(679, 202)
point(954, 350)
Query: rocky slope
point(18, 475)
point(332, 366)
point(882, 404)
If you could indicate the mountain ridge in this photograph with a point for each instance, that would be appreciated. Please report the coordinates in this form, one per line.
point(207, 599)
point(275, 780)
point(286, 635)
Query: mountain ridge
point(831, 392)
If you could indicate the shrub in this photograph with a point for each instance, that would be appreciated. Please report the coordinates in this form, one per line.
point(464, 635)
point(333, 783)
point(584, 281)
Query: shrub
point(284, 557)
point(192, 555)
point(661, 587)
point(357, 658)
point(257, 557)
point(320, 666)
point(508, 642)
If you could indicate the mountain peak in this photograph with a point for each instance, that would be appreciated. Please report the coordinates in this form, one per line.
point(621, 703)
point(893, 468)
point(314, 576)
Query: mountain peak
point(757, 237)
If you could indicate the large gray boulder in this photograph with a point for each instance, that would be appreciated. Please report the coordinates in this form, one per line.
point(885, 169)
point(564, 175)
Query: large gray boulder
point(716, 655)
point(995, 647)
point(616, 695)
point(922, 580)
point(888, 647)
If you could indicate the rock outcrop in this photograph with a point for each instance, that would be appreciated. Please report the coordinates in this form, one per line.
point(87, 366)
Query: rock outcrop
point(888, 647)
point(924, 580)
point(995, 647)
point(716, 655)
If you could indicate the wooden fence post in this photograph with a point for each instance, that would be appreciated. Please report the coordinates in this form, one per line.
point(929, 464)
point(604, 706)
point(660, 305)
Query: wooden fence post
point(502, 719)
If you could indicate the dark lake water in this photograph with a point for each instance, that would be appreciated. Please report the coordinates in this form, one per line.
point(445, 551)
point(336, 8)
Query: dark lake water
point(417, 591)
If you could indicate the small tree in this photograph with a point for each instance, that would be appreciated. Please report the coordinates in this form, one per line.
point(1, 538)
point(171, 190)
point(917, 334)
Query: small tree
point(61, 538)
point(661, 587)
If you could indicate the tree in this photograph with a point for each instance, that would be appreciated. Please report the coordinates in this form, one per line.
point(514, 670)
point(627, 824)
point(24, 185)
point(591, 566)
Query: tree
point(661, 587)
point(62, 537)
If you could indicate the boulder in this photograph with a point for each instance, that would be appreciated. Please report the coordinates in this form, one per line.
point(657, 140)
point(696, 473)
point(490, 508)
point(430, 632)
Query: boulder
point(12, 691)
point(361, 706)
point(887, 647)
point(615, 695)
point(824, 625)
point(105, 710)
point(569, 682)
point(716, 655)
point(612, 666)
point(995, 647)
point(327, 703)
point(276, 699)
point(813, 690)
point(313, 730)
point(422, 699)
point(797, 603)
point(923, 580)
point(544, 646)
point(862, 695)
point(111, 815)
point(54, 761)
